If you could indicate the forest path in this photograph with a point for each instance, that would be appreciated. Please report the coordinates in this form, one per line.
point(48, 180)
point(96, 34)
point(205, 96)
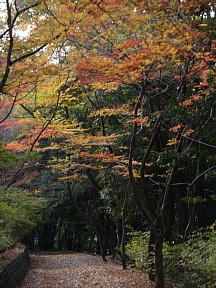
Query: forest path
point(80, 270)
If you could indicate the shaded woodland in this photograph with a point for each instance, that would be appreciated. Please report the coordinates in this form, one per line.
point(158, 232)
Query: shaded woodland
point(107, 132)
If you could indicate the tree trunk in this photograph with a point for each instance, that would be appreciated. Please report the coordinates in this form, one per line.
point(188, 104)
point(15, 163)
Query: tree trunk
point(124, 209)
point(118, 233)
point(101, 245)
point(59, 234)
point(182, 211)
point(170, 216)
point(151, 255)
point(159, 273)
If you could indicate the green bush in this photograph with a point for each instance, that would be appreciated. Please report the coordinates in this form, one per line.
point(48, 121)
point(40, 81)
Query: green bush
point(19, 213)
point(193, 263)
point(189, 264)
point(137, 250)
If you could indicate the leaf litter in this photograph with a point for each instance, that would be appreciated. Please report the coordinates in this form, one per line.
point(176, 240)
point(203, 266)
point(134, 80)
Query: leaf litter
point(80, 270)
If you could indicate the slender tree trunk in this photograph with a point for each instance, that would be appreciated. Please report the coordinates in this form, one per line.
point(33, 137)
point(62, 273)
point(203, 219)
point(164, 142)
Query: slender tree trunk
point(118, 233)
point(124, 209)
point(159, 272)
point(101, 245)
point(182, 212)
point(151, 256)
point(90, 243)
point(59, 235)
point(170, 216)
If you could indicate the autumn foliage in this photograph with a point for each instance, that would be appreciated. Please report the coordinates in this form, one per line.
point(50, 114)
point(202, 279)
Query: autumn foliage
point(113, 92)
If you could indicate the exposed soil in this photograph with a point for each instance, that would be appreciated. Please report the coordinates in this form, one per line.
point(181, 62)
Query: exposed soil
point(80, 270)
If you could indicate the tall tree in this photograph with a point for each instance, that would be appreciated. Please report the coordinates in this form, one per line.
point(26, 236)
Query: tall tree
point(161, 49)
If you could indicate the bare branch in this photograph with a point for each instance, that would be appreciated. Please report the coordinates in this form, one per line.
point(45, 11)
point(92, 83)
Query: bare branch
point(200, 175)
point(163, 185)
point(11, 109)
point(10, 47)
point(17, 15)
point(52, 14)
point(28, 110)
point(48, 121)
point(143, 165)
point(141, 207)
point(171, 174)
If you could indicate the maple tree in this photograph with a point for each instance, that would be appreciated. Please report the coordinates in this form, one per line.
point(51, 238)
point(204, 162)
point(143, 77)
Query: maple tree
point(161, 58)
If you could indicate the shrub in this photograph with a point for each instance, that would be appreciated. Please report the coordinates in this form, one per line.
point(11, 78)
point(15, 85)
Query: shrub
point(189, 264)
point(192, 263)
point(19, 213)
point(137, 250)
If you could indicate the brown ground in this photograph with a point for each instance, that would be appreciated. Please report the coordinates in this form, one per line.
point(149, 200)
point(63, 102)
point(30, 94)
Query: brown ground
point(10, 254)
point(79, 270)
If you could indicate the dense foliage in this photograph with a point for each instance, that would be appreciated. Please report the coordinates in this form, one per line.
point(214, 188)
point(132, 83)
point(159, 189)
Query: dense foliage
point(190, 263)
point(19, 214)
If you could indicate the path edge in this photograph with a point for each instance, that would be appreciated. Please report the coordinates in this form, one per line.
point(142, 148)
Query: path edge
point(13, 273)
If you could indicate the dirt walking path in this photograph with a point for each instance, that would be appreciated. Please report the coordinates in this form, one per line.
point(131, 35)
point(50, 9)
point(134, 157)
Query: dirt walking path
point(78, 270)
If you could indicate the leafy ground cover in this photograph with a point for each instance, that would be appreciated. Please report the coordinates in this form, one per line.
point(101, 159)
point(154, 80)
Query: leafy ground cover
point(10, 254)
point(80, 270)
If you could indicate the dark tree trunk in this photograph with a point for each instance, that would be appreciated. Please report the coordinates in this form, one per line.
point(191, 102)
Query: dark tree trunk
point(118, 233)
point(159, 273)
point(155, 250)
point(124, 209)
point(151, 255)
point(170, 216)
point(182, 211)
point(101, 230)
point(30, 241)
point(101, 245)
point(59, 234)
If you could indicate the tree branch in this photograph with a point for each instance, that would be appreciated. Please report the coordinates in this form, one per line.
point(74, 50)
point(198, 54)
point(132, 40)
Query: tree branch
point(141, 207)
point(11, 109)
point(143, 165)
point(200, 175)
point(17, 15)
